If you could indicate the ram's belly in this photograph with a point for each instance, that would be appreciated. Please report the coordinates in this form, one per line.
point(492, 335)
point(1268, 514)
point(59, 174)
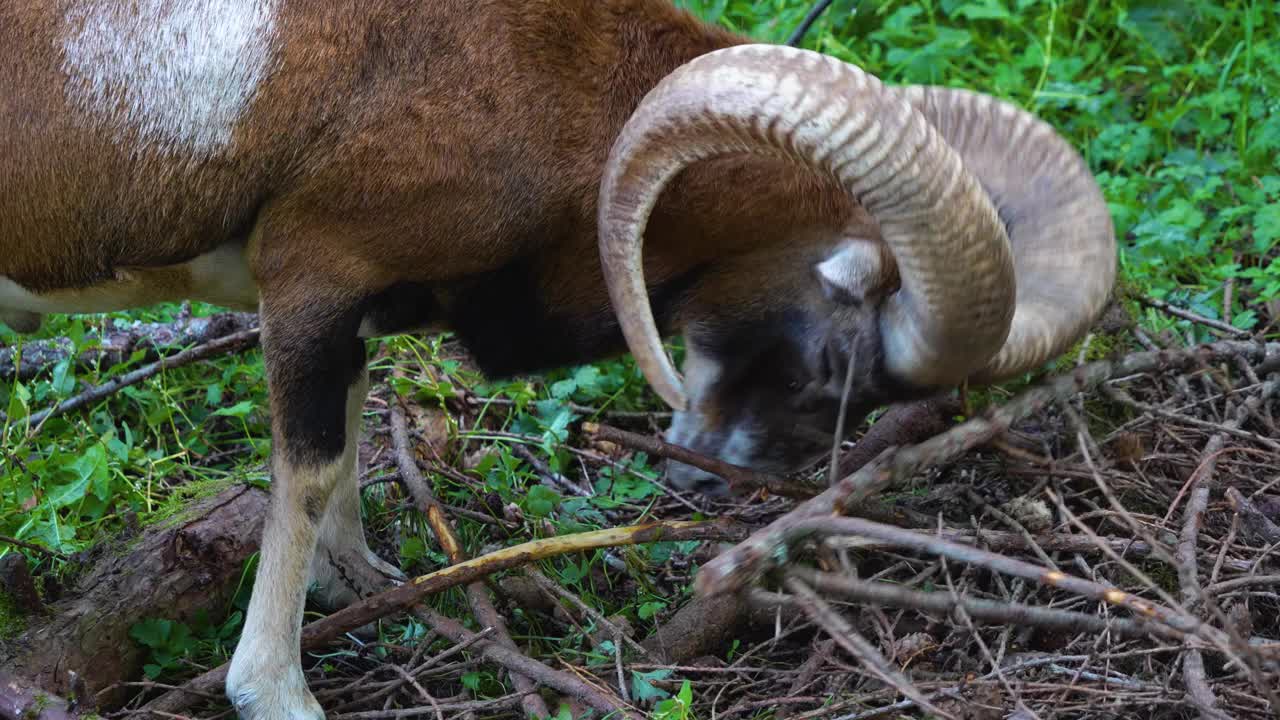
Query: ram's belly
point(221, 277)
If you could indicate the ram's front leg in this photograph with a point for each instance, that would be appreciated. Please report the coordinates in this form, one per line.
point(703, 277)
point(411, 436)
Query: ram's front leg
point(344, 569)
point(316, 373)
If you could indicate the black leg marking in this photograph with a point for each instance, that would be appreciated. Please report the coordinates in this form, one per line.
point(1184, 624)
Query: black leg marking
point(313, 358)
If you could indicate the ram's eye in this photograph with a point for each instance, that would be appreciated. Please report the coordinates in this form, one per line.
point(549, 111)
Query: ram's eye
point(794, 384)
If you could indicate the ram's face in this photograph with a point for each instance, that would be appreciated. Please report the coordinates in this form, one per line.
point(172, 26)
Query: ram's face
point(767, 393)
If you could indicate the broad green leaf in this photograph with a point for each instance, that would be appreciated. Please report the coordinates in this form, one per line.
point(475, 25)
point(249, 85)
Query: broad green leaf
point(541, 501)
point(240, 409)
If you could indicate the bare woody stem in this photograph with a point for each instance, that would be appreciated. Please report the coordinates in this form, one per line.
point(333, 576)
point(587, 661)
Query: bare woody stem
point(855, 644)
point(477, 595)
point(405, 596)
point(740, 566)
point(1175, 619)
point(883, 594)
point(235, 342)
point(739, 477)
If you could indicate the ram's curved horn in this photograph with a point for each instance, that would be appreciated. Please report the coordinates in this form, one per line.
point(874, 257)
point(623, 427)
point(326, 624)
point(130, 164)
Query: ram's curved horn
point(1061, 231)
point(955, 305)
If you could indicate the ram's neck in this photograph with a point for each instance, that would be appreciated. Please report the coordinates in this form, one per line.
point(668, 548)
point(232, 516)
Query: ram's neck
point(716, 209)
point(719, 234)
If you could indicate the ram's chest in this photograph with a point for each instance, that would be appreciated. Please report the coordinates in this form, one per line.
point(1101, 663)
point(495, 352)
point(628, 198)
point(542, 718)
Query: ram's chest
point(177, 74)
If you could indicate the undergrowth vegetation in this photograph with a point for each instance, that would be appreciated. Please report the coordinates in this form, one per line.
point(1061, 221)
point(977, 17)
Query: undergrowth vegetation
point(1175, 104)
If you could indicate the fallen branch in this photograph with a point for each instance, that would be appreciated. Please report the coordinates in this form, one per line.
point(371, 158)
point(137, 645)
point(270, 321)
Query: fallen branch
point(118, 343)
point(231, 343)
point(518, 662)
point(175, 570)
point(899, 426)
point(16, 582)
point(742, 565)
point(477, 594)
point(855, 644)
point(1173, 618)
point(884, 594)
point(702, 626)
point(739, 478)
point(404, 597)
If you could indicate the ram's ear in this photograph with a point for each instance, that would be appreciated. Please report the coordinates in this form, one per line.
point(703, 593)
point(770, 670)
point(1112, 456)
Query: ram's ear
point(853, 274)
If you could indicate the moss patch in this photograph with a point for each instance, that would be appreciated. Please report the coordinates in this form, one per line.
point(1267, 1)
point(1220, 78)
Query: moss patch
point(177, 506)
point(12, 620)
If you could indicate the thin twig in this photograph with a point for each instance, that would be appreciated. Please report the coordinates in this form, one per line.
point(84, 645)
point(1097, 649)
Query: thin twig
point(6, 540)
point(1193, 672)
point(739, 477)
point(857, 646)
point(477, 594)
point(405, 596)
point(1174, 618)
point(1011, 613)
point(551, 587)
point(1193, 317)
point(1000, 541)
point(236, 342)
point(517, 662)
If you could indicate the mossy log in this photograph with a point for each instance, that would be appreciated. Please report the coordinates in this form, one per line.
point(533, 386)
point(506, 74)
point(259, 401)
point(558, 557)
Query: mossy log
point(173, 570)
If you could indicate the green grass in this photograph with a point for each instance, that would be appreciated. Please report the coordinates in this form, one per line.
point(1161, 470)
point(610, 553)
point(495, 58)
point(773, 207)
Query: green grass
point(1175, 104)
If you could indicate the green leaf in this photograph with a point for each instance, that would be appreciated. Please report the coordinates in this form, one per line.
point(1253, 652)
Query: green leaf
point(541, 501)
point(64, 377)
point(985, 10)
point(471, 680)
point(587, 379)
point(19, 401)
point(240, 409)
point(67, 494)
point(153, 632)
point(92, 470)
point(563, 389)
point(1266, 227)
point(649, 609)
point(412, 549)
point(642, 688)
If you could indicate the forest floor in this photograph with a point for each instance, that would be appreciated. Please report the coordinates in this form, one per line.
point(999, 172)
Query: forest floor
point(1098, 541)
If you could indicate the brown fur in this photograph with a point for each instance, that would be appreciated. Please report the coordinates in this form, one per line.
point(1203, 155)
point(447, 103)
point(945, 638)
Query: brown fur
point(427, 161)
point(395, 142)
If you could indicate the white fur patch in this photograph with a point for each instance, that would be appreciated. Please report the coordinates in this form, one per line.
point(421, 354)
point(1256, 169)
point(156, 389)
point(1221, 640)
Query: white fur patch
point(182, 72)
